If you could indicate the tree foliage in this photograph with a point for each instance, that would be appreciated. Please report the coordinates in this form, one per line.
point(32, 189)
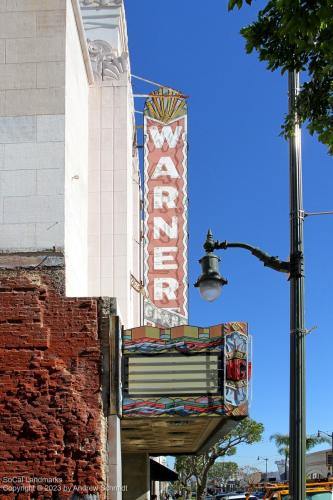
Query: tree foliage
point(282, 442)
point(222, 471)
point(247, 431)
point(184, 467)
point(298, 35)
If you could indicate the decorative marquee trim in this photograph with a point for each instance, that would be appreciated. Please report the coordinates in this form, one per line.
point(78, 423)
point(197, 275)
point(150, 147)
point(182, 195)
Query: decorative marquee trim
point(185, 220)
point(231, 340)
point(106, 64)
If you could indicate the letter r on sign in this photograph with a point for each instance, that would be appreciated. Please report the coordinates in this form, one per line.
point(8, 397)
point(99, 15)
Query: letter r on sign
point(165, 287)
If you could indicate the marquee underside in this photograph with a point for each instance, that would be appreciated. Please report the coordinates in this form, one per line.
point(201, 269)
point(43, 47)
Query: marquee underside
point(170, 436)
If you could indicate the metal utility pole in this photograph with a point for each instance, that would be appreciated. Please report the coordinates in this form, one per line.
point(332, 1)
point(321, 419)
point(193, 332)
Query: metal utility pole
point(297, 421)
point(266, 460)
point(210, 283)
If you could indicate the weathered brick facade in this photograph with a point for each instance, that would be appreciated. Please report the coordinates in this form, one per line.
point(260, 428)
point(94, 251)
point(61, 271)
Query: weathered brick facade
point(50, 373)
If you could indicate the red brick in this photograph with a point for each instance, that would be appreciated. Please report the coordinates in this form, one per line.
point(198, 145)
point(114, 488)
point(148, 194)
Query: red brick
point(50, 414)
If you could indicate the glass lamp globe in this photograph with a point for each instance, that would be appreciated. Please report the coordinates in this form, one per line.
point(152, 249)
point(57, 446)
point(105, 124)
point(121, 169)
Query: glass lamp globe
point(210, 289)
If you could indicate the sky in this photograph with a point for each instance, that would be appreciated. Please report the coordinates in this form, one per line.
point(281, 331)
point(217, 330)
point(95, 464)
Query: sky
point(238, 186)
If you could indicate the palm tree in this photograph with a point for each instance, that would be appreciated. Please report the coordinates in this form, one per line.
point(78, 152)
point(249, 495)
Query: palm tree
point(282, 444)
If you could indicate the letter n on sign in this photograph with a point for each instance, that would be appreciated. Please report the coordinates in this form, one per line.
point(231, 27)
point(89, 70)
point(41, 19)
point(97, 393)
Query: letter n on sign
point(165, 200)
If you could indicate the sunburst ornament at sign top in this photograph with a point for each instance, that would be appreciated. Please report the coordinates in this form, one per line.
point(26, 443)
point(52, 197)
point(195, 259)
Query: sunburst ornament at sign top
point(165, 105)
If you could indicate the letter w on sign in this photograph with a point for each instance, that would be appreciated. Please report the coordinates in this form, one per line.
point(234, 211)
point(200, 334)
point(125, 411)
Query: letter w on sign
point(166, 134)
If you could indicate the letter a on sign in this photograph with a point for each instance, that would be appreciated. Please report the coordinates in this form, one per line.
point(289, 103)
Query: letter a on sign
point(165, 204)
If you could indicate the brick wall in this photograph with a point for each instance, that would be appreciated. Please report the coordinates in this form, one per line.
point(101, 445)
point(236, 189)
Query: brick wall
point(50, 406)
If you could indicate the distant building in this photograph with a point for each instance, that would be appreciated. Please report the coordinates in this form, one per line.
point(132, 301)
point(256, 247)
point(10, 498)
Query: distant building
point(316, 464)
point(272, 477)
point(281, 465)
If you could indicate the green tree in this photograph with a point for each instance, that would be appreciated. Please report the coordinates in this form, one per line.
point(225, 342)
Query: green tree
point(184, 467)
point(222, 471)
point(298, 35)
point(247, 431)
point(282, 444)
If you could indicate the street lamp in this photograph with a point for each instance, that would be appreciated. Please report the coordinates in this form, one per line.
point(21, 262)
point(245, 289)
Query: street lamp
point(331, 436)
point(211, 287)
point(266, 460)
point(210, 282)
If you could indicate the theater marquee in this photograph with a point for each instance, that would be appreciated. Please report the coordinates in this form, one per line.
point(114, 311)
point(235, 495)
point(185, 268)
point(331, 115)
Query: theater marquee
point(165, 202)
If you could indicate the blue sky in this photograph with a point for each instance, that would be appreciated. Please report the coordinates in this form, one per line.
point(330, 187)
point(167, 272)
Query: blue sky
point(238, 186)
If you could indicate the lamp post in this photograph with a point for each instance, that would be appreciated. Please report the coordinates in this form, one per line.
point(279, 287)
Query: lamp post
point(330, 436)
point(266, 460)
point(210, 283)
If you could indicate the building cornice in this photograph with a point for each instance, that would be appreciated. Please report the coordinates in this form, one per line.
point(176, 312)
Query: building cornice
point(83, 41)
point(106, 64)
point(106, 20)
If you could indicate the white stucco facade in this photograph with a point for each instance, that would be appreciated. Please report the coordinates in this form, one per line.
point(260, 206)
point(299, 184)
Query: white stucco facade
point(69, 172)
point(32, 109)
point(113, 180)
point(76, 160)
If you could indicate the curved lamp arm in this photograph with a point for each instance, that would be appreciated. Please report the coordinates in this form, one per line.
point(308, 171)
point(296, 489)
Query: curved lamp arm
point(273, 262)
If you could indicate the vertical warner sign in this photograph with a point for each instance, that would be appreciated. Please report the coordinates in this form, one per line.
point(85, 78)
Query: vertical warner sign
point(165, 208)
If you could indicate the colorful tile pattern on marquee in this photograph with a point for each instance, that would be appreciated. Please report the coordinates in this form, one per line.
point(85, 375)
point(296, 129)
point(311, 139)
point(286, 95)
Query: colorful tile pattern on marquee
point(229, 342)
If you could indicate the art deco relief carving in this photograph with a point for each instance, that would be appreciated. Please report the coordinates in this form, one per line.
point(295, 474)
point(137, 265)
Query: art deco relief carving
point(106, 64)
point(101, 3)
